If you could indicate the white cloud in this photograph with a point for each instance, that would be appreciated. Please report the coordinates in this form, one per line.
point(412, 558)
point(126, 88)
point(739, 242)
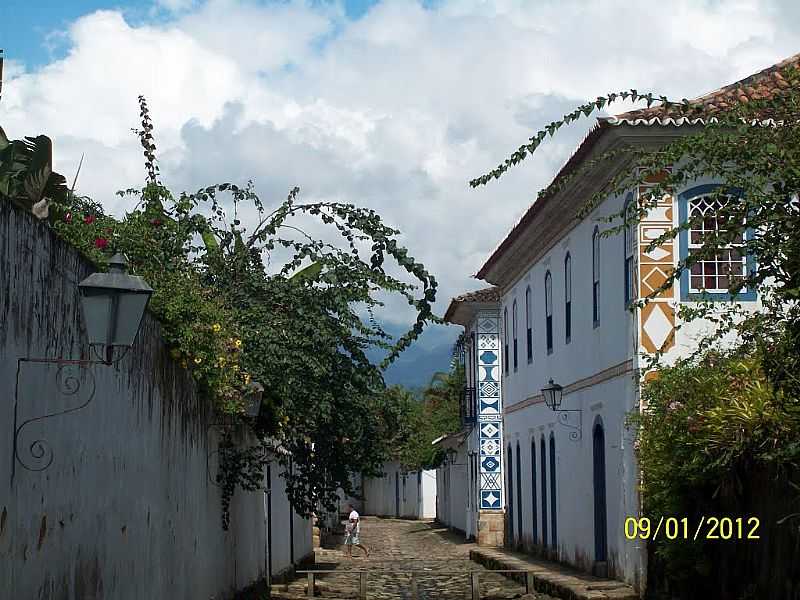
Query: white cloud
point(397, 110)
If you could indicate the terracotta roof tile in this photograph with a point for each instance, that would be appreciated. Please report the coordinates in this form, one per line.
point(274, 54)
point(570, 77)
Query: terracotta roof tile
point(490, 294)
point(761, 85)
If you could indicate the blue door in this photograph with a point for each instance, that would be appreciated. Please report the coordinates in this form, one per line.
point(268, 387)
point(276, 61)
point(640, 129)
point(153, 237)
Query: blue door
point(600, 524)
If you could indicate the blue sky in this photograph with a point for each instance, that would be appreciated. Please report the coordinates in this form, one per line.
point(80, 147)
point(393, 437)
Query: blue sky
point(394, 107)
point(29, 28)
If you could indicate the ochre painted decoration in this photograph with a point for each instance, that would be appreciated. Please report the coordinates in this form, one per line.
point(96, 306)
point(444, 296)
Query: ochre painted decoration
point(657, 318)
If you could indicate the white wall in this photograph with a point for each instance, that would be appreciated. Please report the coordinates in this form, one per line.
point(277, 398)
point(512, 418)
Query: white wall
point(128, 508)
point(291, 534)
point(409, 495)
point(593, 352)
point(452, 491)
point(590, 351)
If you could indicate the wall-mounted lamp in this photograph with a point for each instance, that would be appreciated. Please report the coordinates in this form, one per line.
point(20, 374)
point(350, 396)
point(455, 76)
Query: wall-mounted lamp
point(553, 394)
point(113, 305)
point(252, 399)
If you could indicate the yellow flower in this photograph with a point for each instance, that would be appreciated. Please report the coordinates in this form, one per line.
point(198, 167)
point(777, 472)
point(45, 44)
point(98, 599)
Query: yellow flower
point(238, 343)
point(247, 378)
point(216, 327)
point(198, 360)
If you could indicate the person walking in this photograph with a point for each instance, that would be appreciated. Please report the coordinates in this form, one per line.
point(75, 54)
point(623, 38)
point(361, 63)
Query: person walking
point(352, 531)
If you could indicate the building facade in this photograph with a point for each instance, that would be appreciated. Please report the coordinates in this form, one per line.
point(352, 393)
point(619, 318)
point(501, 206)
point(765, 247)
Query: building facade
point(400, 493)
point(471, 480)
point(566, 282)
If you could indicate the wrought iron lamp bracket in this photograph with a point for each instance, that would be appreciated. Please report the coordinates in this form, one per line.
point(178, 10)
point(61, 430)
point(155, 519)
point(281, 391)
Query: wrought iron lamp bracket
point(563, 419)
point(39, 454)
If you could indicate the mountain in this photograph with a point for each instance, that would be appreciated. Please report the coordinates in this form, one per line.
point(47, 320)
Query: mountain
point(432, 352)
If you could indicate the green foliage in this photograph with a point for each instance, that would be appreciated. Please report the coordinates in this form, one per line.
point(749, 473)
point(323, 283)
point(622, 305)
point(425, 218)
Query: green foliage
point(713, 420)
point(707, 423)
point(421, 420)
point(231, 316)
point(26, 171)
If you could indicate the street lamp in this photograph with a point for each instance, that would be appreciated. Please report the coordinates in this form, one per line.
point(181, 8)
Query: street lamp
point(253, 399)
point(552, 395)
point(113, 306)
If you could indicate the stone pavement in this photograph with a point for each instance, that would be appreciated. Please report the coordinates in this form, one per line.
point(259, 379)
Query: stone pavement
point(553, 578)
point(397, 546)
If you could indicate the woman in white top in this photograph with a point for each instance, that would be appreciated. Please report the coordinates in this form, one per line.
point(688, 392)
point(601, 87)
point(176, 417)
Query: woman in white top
point(352, 530)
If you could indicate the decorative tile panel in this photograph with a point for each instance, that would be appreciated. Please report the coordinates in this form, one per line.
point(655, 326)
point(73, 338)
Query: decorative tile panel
point(657, 319)
point(489, 399)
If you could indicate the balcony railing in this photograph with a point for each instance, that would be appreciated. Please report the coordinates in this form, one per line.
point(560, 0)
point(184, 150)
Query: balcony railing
point(468, 408)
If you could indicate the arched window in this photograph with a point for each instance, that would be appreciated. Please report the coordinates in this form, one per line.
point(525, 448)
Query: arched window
point(528, 324)
point(519, 493)
point(548, 310)
point(505, 338)
point(543, 470)
point(472, 360)
point(629, 242)
point(510, 492)
point(596, 276)
point(568, 297)
point(514, 330)
point(534, 516)
point(553, 518)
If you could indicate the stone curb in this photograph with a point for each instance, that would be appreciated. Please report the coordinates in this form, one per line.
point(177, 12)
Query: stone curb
point(554, 579)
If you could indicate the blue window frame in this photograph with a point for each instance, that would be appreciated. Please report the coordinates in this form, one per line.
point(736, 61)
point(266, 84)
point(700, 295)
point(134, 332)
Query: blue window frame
point(519, 493)
point(548, 310)
point(709, 279)
point(514, 330)
point(505, 339)
point(553, 512)
point(528, 324)
point(510, 494)
point(596, 276)
point(567, 298)
point(629, 245)
point(543, 471)
point(534, 515)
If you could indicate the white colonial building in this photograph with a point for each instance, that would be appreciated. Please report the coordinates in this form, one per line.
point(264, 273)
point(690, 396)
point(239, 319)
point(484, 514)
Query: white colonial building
point(564, 292)
point(470, 482)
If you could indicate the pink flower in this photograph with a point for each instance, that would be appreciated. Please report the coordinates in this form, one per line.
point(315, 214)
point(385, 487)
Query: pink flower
point(88, 219)
point(68, 217)
point(101, 243)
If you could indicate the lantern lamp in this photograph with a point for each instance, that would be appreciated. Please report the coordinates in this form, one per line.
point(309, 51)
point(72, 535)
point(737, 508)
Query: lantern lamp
point(552, 395)
point(113, 306)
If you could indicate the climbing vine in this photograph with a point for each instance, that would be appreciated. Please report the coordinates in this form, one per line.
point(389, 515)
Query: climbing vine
point(259, 299)
point(727, 414)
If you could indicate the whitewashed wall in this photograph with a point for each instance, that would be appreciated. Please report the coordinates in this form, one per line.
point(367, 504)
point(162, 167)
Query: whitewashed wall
point(409, 495)
point(127, 509)
point(452, 491)
point(291, 534)
point(590, 351)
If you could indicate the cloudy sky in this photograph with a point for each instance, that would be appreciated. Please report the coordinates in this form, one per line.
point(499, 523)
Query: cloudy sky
point(392, 104)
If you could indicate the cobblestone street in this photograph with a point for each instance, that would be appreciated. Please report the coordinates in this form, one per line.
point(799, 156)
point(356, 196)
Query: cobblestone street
point(396, 547)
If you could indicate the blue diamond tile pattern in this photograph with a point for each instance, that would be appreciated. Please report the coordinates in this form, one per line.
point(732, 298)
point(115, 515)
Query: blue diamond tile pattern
point(490, 499)
point(489, 390)
point(490, 464)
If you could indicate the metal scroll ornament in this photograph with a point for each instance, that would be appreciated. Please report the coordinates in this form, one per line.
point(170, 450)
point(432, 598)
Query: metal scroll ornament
point(563, 418)
point(75, 381)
